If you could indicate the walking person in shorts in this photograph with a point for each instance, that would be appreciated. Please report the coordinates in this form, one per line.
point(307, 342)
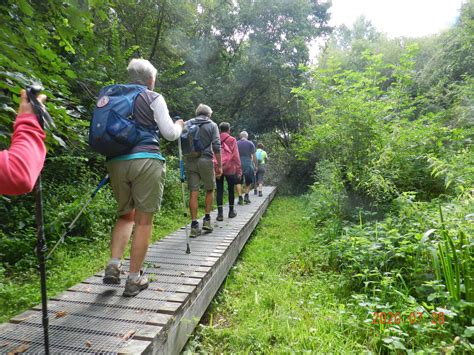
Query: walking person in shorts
point(201, 169)
point(137, 180)
point(262, 159)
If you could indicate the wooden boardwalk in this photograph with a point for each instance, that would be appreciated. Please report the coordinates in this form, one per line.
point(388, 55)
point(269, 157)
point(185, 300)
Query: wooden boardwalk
point(94, 318)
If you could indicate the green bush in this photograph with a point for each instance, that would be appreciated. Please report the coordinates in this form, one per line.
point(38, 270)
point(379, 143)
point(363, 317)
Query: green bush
point(391, 268)
point(328, 197)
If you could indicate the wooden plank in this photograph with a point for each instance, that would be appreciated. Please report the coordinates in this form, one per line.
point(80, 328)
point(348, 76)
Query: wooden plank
point(202, 244)
point(111, 299)
point(153, 318)
point(173, 267)
point(206, 252)
point(169, 295)
point(203, 248)
point(216, 236)
point(177, 280)
point(204, 262)
point(62, 341)
point(177, 256)
point(87, 323)
point(202, 239)
point(181, 288)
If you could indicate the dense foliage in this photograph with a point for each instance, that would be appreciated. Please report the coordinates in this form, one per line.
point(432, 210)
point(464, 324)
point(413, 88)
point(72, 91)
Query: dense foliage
point(379, 130)
point(390, 135)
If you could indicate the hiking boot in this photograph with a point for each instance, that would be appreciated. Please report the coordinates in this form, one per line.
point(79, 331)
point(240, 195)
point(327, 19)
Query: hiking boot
point(195, 231)
point(112, 275)
point(246, 199)
point(255, 192)
point(260, 194)
point(241, 201)
point(133, 288)
point(220, 214)
point(232, 213)
point(207, 226)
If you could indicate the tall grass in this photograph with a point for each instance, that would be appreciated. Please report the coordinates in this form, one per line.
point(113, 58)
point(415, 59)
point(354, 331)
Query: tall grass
point(279, 297)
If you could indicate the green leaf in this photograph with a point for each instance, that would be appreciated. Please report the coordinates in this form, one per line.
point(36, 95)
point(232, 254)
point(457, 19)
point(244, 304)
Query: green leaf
point(468, 332)
point(25, 7)
point(58, 139)
point(70, 74)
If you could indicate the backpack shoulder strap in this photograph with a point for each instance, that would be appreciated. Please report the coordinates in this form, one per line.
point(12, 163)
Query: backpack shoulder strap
point(222, 141)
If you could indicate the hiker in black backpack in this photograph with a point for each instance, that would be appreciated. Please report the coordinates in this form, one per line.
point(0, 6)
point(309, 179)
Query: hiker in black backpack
point(137, 175)
point(199, 151)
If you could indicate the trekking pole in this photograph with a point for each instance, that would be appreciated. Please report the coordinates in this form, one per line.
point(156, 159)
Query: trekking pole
point(255, 180)
point(183, 179)
point(45, 121)
point(104, 181)
point(41, 249)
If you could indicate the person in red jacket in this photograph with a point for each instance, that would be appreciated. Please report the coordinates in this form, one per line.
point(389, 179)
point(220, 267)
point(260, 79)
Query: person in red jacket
point(231, 170)
point(21, 164)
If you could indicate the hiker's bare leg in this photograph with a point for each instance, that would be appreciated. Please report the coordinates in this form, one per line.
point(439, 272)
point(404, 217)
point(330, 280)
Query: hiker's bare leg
point(193, 204)
point(121, 234)
point(209, 200)
point(141, 239)
point(247, 189)
point(239, 189)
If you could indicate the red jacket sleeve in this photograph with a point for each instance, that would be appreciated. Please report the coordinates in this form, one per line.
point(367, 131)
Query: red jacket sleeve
point(21, 164)
point(236, 158)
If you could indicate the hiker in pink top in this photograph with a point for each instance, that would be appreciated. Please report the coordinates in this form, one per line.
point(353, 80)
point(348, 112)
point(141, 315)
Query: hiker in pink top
point(21, 164)
point(231, 168)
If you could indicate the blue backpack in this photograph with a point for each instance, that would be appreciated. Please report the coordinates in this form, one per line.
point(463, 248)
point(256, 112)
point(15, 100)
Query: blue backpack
point(112, 129)
point(191, 140)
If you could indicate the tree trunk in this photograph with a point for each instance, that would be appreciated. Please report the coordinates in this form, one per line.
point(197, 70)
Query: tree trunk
point(159, 26)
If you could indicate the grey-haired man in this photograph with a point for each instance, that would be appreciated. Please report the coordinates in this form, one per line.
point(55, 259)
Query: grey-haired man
point(201, 169)
point(137, 180)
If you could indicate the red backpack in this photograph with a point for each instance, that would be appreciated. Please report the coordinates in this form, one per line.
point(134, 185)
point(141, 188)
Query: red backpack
point(226, 159)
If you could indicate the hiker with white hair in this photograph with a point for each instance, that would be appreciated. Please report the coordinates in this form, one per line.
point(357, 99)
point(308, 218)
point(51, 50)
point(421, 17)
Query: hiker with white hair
point(137, 175)
point(199, 167)
point(248, 161)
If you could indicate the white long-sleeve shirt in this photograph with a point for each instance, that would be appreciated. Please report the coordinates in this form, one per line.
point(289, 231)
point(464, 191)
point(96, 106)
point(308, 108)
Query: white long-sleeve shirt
point(168, 129)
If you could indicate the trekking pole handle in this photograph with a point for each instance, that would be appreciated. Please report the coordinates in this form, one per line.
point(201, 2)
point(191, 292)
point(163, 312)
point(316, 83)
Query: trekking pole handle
point(104, 181)
point(182, 174)
point(43, 116)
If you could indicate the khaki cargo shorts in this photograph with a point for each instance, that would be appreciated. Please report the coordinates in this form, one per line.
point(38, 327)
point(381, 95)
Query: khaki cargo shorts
point(137, 184)
point(200, 169)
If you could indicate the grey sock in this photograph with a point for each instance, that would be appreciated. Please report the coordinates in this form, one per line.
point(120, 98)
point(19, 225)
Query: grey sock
point(134, 276)
point(115, 261)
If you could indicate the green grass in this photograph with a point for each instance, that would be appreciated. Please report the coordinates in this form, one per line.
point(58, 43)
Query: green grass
point(69, 265)
point(277, 298)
